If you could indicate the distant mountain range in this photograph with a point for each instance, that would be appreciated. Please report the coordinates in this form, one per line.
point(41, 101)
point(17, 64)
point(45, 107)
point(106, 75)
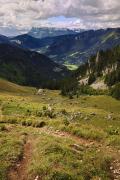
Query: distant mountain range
point(22, 62)
point(76, 49)
point(52, 32)
point(71, 48)
point(29, 68)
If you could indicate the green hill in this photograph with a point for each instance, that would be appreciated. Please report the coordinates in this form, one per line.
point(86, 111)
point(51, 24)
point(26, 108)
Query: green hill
point(29, 68)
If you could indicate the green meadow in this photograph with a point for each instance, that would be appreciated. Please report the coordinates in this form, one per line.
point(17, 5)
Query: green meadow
point(51, 137)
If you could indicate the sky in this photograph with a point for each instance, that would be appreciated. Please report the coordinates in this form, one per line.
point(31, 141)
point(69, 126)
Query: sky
point(20, 15)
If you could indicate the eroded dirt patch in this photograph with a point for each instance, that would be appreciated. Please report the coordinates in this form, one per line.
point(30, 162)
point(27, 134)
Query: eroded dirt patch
point(19, 171)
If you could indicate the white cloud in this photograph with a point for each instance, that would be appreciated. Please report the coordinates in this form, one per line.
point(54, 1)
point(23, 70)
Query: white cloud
point(88, 13)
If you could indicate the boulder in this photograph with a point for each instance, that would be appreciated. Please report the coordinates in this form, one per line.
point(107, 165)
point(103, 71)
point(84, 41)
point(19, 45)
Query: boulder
point(40, 91)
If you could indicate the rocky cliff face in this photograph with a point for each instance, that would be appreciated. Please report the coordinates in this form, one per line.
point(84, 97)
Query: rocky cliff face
point(105, 65)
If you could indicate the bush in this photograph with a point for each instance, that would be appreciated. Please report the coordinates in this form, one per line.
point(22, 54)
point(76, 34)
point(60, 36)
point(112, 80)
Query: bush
point(28, 123)
point(12, 121)
point(2, 127)
point(69, 87)
point(115, 91)
point(66, 122)
point(70, 96)
point(49, 113)
point(112, 78)
point(24, 123)
point(39, 124)
point(64, 112)
point(91, 79)
point(39, 113)
point(44, 108)
point(113, 131)
point(89, 90)
point(61, 176)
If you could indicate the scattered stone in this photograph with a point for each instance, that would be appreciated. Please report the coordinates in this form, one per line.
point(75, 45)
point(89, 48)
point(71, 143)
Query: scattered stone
point(37, 177)
point(93, 114)
point(18, 165)
point(98, 150)
point(49, 107)
point(86, 118)
point(40, 91)
point(57, 132)
point(62, 134)
point(109, 117)
point(77, 147)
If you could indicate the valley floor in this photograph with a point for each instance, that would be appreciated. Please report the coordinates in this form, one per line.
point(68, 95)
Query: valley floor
point(50, 137)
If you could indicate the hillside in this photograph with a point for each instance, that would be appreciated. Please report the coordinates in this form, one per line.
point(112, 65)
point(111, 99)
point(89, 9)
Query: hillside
point(26, 41)
point(99, 75)
point(71, 48)
point(4, 39)
point(6, 86)
point(28, 68)
point(105, 65)
point(77, 139)
point(76, 49)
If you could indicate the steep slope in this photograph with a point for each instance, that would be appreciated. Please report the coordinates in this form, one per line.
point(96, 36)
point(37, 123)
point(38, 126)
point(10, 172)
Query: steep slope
point(7, 86)
point(104, 65)
point(78, 48)
point(26, 41)
point(102, 72)
point(4, 39)
point(28, 68)
point(71, 48)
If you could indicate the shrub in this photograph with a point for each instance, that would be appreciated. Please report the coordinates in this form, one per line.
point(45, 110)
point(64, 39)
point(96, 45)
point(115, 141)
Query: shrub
point(28, 112)
point(91, 79)
point(28, 123)
point(64, 112)
point(66, 122)
point(113, 131)
point(39, 124)
point(39, 113)
point(44, 108)
point(49, 113)
point(24, 123)
point(112, 77)
point(90, 91)
point(12, 121)
point(115, 91)
point(69, 86)
point(2, 127)
point(61, 176)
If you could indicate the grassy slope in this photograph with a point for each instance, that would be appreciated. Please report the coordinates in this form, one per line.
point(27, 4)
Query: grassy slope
point(87, 152)
point(11, 87)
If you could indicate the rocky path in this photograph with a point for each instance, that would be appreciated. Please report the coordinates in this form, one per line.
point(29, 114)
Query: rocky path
point(79, 140)
point(115, 169)
point(19, 171)
point(115, 165)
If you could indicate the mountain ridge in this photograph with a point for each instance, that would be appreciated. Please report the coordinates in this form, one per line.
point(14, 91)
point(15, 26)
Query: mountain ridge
point(72, 48)
point(44, 32)
point(25, 67)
